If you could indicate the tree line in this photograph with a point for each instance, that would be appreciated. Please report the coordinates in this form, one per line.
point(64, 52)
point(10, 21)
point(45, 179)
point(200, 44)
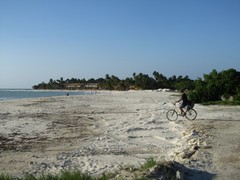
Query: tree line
point(212, 87)
point(216, 86)
point(137, 82)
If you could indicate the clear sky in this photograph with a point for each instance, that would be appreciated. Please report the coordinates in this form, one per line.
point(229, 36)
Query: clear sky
point(43, 39)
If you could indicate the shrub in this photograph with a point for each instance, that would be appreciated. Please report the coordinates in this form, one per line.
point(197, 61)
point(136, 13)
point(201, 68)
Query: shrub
point(149, 164)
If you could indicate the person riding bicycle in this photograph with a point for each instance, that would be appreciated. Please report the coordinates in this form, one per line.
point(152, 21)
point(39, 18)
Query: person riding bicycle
point(184, 100)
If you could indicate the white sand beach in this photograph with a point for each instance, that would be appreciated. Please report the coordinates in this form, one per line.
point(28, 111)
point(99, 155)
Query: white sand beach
point(106, 131)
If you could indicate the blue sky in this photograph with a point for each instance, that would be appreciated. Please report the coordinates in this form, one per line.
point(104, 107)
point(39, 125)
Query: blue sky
point(43, 39)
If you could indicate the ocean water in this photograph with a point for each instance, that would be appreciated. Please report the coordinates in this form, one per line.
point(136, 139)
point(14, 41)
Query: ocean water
point(6, 94)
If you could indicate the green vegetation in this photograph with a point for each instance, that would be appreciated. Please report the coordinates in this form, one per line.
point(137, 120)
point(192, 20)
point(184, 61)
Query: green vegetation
point(5, 177)
point(149, 170)
point(149, 164)
point(138, 81)
point(214, 86)
point(217, 86)
point(65, 175)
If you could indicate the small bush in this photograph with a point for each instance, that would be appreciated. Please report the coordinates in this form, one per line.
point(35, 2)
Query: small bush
point(149, 164)
point(4, 177)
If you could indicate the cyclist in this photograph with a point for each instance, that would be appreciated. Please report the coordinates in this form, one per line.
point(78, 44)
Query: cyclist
point(184, 100)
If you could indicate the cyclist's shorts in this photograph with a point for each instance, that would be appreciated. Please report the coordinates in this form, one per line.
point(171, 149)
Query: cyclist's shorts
point(183, 105)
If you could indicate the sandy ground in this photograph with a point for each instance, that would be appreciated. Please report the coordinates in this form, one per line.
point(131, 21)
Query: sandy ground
point(106, 131)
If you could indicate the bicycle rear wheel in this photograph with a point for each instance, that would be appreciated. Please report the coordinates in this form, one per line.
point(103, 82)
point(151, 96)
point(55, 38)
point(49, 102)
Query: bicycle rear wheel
point(172, 115)
point(191, 114)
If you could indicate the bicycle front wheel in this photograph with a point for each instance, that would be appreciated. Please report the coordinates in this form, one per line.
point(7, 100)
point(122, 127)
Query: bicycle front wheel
point(172, 115)
point(191, 114)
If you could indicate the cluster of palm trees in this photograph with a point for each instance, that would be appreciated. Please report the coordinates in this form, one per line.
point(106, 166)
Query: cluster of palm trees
point(137, 81)
point(212, 87)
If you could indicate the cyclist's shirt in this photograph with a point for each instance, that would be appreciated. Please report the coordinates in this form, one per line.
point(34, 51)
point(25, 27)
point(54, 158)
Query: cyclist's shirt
point(184, 99)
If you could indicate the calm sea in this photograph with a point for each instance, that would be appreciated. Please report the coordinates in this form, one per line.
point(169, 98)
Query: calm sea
point(6, 94)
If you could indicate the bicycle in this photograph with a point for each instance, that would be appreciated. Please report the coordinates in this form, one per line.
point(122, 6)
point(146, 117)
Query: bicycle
point(190, 113)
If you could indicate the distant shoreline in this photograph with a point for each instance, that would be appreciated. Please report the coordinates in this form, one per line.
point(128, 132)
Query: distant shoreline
point(8, 94)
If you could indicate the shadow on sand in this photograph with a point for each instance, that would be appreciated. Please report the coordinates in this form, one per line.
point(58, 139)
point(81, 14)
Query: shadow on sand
point(174, 170)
